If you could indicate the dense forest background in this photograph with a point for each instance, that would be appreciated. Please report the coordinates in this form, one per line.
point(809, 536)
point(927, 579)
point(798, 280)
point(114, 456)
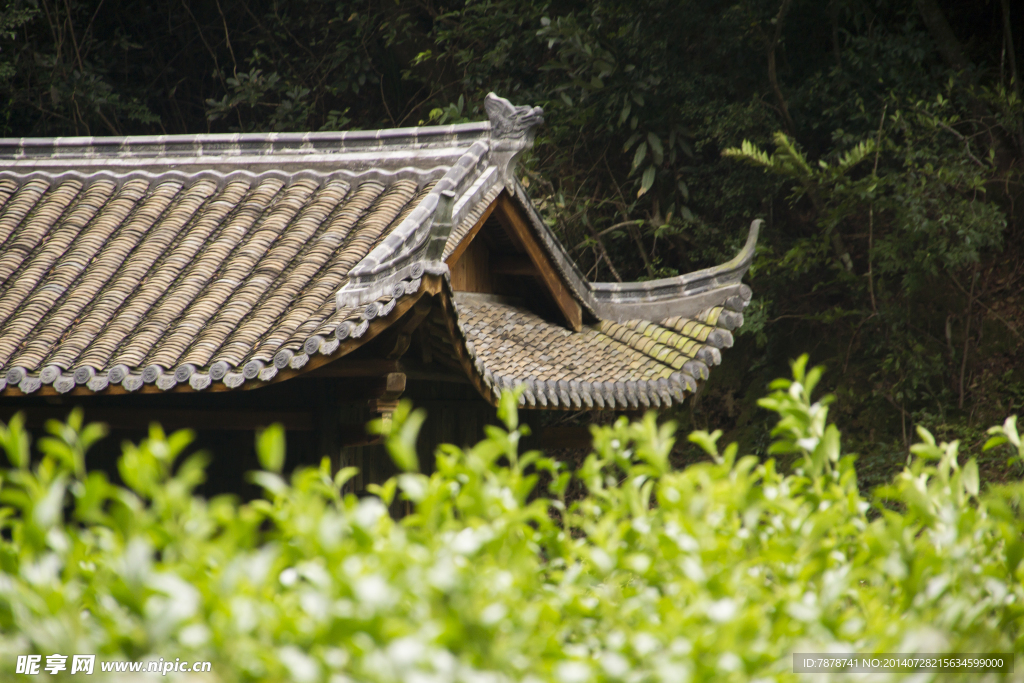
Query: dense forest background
point(881, 140)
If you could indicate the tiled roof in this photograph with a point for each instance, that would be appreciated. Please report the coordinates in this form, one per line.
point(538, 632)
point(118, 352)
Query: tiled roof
point(160, 261)
point(636, 364)
point(205, 262)
point(106, 281)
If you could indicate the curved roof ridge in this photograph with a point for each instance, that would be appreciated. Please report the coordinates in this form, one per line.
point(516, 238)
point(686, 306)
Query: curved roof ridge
point(683, 295)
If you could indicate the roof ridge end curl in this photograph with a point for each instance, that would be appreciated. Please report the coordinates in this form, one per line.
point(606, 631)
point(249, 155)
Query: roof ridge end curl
point(683, 295)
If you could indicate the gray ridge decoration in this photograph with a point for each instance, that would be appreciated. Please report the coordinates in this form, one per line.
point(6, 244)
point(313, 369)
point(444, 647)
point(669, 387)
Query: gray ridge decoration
point(286, 152)
point(686, 294)
point(406, 254)
point(512, 132)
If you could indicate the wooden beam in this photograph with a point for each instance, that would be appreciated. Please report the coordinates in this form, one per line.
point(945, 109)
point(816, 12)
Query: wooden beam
point(405, 327)
point(435, 376)
point(461, 247)
point(354, 367)
point(458, 341)
point(515, 223)
point(356, 435)
point(378, 367)
point(141, 418)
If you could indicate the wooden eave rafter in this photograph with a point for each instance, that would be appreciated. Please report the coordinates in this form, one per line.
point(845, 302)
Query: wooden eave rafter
point(459, 344)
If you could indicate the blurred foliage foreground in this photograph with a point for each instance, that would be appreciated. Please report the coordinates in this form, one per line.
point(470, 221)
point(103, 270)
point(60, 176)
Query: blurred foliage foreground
point(721, 570)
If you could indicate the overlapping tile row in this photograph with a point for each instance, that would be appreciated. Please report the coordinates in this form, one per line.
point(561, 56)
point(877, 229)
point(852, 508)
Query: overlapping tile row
point(470, 220)
point(634, 365)
point(142, 280)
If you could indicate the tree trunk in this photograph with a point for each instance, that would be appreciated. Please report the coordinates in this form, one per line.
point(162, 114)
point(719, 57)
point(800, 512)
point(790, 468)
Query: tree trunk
point(942, 34)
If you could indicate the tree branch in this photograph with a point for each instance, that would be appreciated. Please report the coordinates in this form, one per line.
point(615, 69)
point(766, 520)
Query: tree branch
point(600, 247)
point(772, 75)
point(967, 335)
point(227, 38)
point(1014, 76)
point(623, 224)
point(953, 55)
point(1011, 53)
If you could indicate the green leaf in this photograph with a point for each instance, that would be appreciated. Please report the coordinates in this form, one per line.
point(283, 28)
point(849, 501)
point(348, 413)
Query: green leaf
point(270, 481)
point(508, 407)
point(749, 152)
point(626, 108)
point(827, 450)
point(970, 477)
point(15, 441)
point(270, 448)
point(343, 475)
point(641, 154)
point(647, 181)
point(48, 509)
point(707, 442)
point(993, 442)
point(1010, 430)
point(401, 438)
point(414, 486)
point(656, 148)
point(385, 492)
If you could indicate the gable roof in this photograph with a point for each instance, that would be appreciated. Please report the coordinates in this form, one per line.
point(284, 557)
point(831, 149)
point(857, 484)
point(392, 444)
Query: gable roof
point(218, 261)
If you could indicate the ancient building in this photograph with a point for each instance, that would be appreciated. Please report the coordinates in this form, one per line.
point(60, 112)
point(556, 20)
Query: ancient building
point(223, 282)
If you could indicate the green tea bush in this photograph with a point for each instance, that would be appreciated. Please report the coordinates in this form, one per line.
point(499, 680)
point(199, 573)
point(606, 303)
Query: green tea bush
point(718, 571)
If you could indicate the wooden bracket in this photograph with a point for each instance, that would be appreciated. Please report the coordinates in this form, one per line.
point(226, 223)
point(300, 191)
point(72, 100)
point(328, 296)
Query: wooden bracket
point(386, 401)
point(382, 406)
point(408, 325)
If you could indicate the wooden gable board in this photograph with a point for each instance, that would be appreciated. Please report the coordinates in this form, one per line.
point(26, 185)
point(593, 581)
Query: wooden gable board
point(468, 266)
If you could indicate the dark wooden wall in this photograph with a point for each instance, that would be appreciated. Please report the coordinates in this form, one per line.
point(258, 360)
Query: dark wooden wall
point(322, 416)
